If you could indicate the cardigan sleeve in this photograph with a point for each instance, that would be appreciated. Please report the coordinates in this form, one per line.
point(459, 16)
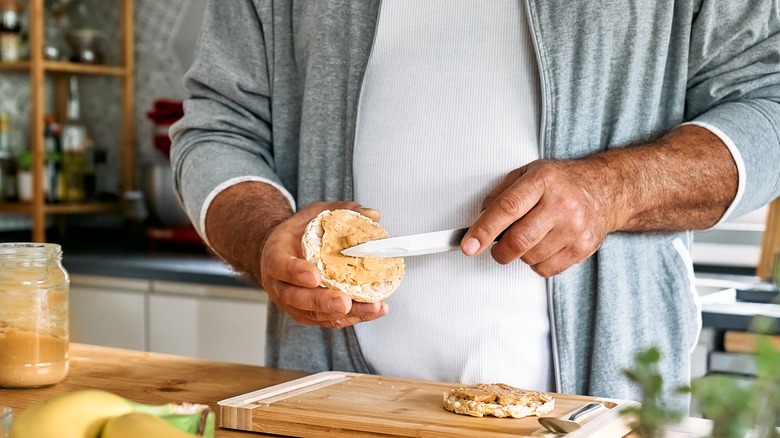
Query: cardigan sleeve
point(733, 89)
point(225, 136)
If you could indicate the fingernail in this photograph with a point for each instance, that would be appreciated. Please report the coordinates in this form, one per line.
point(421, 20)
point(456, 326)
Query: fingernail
point(307, 278)
point(470, 246)
point(337, 305)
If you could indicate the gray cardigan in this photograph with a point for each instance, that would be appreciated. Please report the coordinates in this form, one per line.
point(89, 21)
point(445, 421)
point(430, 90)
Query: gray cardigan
point(274, 90)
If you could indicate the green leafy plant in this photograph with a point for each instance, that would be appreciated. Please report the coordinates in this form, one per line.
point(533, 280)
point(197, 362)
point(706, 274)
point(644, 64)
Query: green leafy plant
point(737, 409)
point(741, 409)
point(768, 388)
point(729, 404)
point(652, 417)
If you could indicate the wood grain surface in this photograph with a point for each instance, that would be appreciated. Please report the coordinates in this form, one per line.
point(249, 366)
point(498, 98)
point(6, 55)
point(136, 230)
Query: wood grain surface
point(336, 404)
point(162, 378)
point(770, 243)
point(153, 378)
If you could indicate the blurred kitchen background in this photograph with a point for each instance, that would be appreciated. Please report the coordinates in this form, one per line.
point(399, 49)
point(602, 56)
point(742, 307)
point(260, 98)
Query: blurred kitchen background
point(85, 121)
point(82, 36)
point(87, 33)
point(83, 163)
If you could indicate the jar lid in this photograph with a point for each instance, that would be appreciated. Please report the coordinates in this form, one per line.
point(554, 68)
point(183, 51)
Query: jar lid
point(31, 250)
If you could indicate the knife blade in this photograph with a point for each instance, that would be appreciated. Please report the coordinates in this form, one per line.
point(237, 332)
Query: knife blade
point(409, 245)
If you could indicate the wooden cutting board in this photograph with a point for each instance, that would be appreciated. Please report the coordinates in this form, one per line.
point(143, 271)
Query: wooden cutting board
point(336, 404)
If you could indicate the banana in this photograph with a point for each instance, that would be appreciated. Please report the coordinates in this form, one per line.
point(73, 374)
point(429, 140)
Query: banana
point(140, 425)
point(80, 414)
point(84, 413)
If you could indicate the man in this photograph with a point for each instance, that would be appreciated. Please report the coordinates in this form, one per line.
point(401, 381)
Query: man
point(595, 134)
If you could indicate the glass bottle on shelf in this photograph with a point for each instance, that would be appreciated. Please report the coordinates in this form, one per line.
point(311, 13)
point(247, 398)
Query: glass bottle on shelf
point(74, 147)
point(55, 30)
point(84, 38)
point(90, 187)
point(8, 186)
point(52, 160)
point(79, 15)
point(104, 176)
point(10, 30)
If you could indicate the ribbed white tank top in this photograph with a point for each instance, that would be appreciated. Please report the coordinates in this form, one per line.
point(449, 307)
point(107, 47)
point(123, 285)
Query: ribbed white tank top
point(450, 105)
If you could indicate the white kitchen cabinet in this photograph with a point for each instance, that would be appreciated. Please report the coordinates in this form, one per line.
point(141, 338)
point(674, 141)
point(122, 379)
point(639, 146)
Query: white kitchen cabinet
point(701, 352)
point(108, 311)
point(218, 323)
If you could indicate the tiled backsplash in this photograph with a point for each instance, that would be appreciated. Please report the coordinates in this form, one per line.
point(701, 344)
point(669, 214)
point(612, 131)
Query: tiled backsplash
point(159, 25)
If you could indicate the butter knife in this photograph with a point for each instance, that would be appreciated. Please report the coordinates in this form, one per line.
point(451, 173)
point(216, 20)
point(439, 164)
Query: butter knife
point(409, 245)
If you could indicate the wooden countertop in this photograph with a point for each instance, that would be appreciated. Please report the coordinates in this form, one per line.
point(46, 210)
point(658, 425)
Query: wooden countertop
point(153, 378)
point(162, 378)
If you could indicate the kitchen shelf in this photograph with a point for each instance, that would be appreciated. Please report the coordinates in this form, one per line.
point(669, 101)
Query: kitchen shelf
point(20, 65)
point(770, 244)
point(38, 69)
point(65, 208)
point(87, 207)
point(87, 69)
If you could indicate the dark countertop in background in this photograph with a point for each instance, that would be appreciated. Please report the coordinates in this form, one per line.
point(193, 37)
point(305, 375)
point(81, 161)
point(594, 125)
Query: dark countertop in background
point(111, 252)
point(182, 268)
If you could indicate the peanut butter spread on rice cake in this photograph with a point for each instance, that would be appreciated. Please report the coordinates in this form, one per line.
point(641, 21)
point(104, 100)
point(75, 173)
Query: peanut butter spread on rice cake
point(498, 400)
point(342, 230)
point(500, 393)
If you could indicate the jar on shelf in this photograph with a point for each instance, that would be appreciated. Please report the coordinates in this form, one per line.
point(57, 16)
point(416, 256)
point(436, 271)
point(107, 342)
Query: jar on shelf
point(85, 46)
point(34, 333)
point(10, 30)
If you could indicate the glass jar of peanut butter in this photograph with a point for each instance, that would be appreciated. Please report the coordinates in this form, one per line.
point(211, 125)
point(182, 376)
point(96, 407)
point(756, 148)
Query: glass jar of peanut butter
point(33, 315)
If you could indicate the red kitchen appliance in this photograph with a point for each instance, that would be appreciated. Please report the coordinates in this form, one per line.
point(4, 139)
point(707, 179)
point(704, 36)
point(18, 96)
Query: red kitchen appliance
point(172, 228)
point(164, 114)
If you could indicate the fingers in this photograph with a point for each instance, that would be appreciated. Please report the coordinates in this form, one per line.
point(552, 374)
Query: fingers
point(530, 236)
point(374, 215)
point(551, 216)
point(506, 208)
point(502, 186)
point(282, 262)
point(561, 261)
point(291, 269)
point(323, 307)
point(339, 323)
point(292, 282)
point(315, 299)
point(361, 312)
